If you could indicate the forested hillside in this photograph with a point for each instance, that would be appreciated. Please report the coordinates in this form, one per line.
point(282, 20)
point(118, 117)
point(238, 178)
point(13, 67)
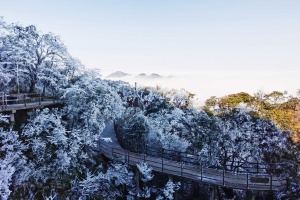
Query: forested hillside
point(54, 154)
point(279, 107)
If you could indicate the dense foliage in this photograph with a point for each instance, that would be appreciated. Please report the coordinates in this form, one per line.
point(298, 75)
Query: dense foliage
point(31, 62)
point(276, 106)
point(54, 155)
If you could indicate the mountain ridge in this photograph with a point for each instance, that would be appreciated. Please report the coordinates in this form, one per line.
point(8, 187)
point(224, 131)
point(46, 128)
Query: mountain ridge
point(117, 74)
point(121, 74)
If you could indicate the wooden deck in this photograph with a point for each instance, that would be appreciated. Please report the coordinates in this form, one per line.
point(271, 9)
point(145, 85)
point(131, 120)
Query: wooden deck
point(24, 101)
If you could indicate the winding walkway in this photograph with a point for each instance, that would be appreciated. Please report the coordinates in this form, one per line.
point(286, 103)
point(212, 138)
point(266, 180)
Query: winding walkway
point(257, 182)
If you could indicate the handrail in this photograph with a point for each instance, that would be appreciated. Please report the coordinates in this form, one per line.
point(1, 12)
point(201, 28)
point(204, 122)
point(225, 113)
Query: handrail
point(234, 166)
point(245, 181)
point(25, 100)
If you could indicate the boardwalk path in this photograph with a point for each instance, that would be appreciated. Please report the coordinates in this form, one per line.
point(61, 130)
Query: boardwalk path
point(26, 106)
point(23, 101)
point(213, 176)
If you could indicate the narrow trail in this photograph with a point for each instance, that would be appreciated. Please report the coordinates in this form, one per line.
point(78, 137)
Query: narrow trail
point(109, 132)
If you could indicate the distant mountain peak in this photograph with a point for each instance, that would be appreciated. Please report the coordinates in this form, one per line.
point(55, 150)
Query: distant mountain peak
point(117, 74)
point(153, 75)
point(142, 75)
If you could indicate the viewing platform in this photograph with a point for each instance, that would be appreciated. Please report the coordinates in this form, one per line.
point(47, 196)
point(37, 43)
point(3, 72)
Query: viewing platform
point(14, 102)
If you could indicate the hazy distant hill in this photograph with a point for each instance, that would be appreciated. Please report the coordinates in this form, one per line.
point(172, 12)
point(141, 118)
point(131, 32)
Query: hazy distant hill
point(155, 76)
point(117, 74)
point(142, 75)
point(151, 76)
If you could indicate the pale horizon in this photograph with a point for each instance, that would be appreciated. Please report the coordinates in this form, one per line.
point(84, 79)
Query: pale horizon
point(219, 84)
point(257, 38)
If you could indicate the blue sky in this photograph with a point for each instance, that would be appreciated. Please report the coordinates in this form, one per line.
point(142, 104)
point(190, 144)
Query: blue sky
point(170, 35)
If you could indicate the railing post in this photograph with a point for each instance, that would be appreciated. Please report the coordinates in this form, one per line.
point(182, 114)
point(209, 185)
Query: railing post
point(128, 156)
point(247, 180)
point(181, 169)
point(112, 152)
point(144, 157)
point(40, 99)
point(3, 99)
point(271, 182)
point(162, 164)
point(257, 168)
point(2, 102)
point(125, 156)
point(201, 171)
point(25, 100)
point(223, 177)
point(237, 170)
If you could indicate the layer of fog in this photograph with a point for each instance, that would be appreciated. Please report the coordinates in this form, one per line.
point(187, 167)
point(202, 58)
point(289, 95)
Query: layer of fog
point(221, 83)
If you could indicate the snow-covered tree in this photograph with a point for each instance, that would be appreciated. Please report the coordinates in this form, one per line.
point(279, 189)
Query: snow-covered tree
point(11, 160)
point(168, 129)
point(292, 190)
point(57, 158)
point(90, 103)
point(106, 185)
point(50, 153)
point(7, 168)
point(291, 170)
point(159, 126)
point(146, 176)
point(203, 131)
point(132, 131)
point(180, 98)
point(4, 76)
point(169, 190)
point(238, 137)
point(146, 171)
point(30, 59)
point(3, 118)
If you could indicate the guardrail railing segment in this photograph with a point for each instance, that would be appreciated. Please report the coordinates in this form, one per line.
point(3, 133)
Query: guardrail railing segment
point(244, 181)
point(140, 147)
point(25, 100)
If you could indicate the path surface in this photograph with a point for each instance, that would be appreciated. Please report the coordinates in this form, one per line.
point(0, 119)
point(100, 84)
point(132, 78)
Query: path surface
point(213, 176)
point(26, 106)
point(109, 132)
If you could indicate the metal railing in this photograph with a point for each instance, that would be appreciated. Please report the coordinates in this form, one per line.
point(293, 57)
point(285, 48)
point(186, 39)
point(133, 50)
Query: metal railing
point(221, 177)
point(138, 146)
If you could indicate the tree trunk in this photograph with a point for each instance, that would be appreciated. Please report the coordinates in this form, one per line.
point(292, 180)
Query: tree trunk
point(32, 83)
point(32, 87)
point(44, 90)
